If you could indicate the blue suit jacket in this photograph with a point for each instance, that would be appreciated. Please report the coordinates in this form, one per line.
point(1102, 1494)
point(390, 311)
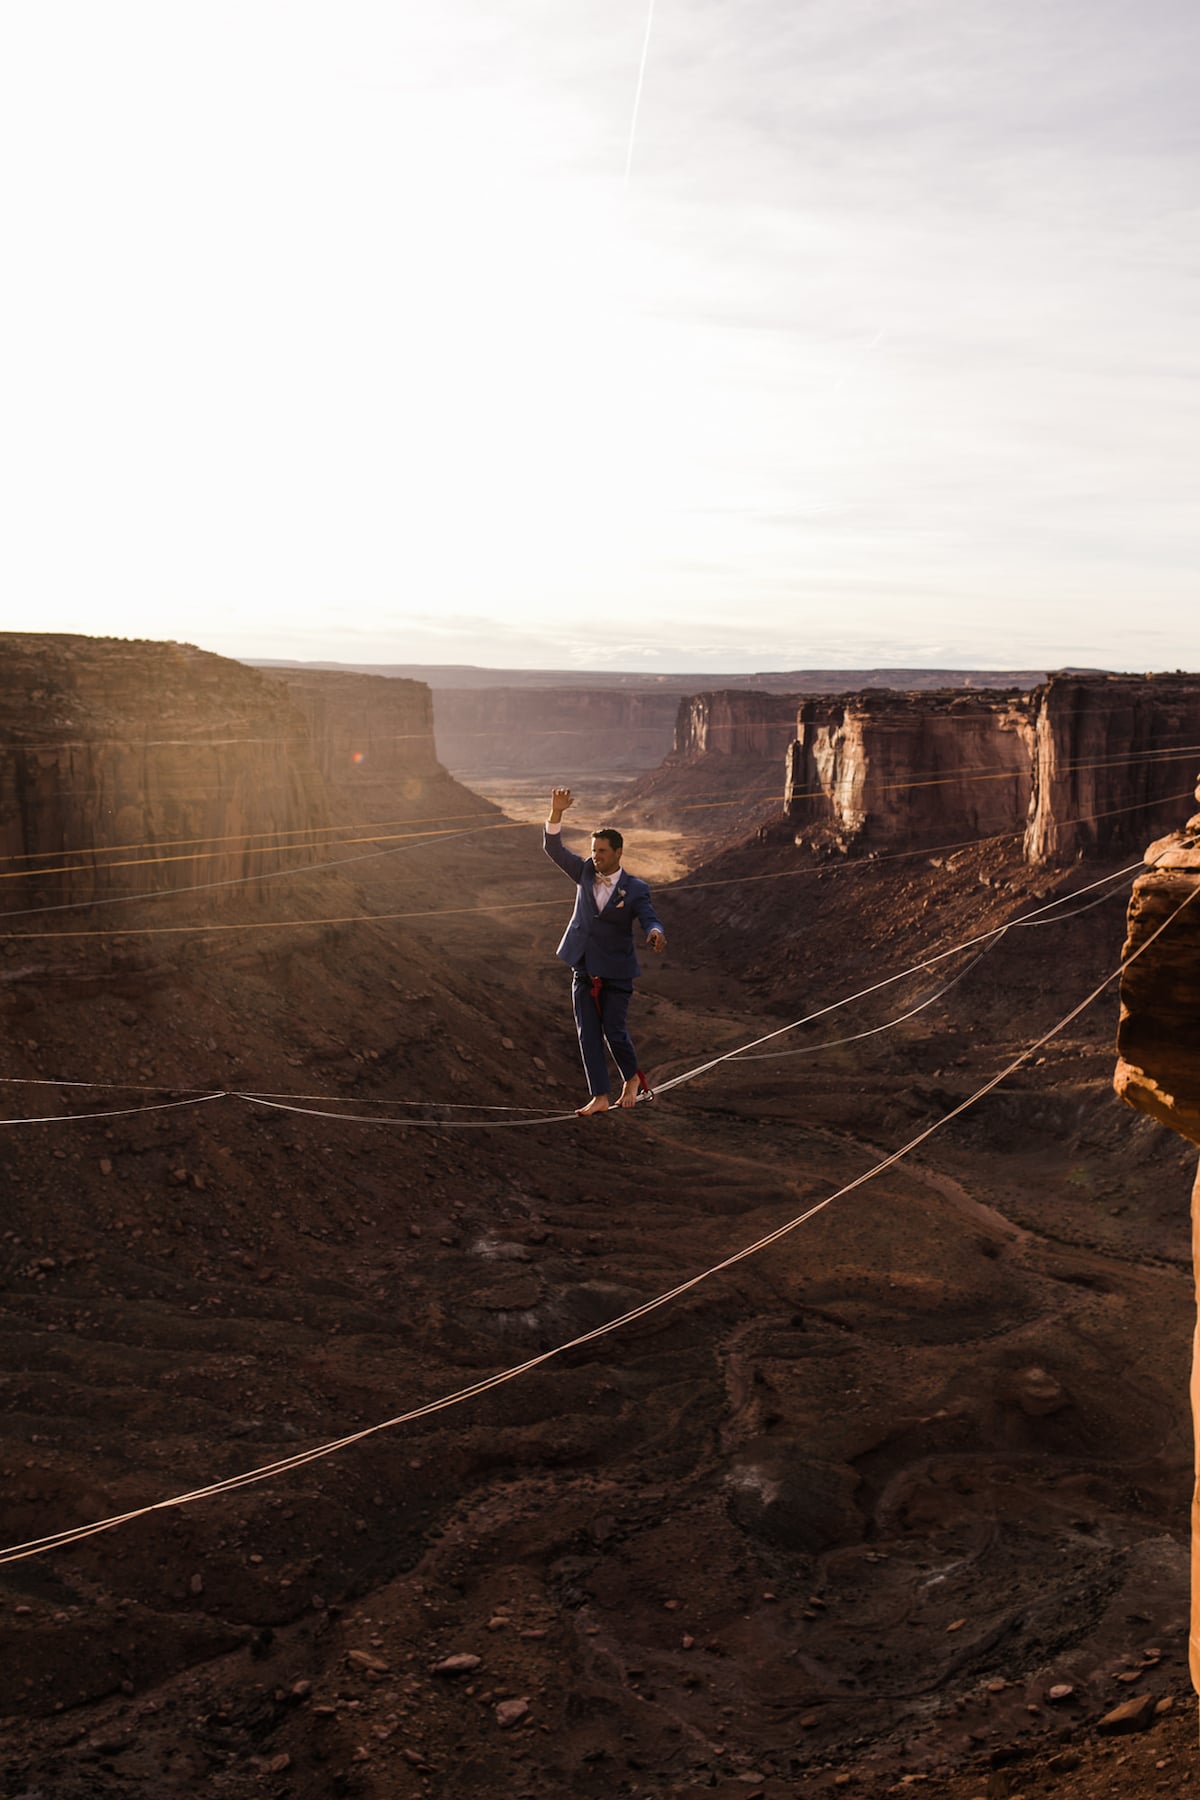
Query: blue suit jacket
point(602, 942)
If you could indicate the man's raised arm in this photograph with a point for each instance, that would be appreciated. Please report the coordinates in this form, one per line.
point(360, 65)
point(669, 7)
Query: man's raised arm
point(552, 843)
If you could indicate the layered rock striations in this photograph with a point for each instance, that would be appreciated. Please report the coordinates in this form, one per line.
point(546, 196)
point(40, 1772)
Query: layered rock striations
point(723, 772)
point(133, 767)
point(1158, 1038)
point(1081, 767)
point(880, 770)
point(372, 737)
point(128, 765)
point(1112, 763)
point(733, 723)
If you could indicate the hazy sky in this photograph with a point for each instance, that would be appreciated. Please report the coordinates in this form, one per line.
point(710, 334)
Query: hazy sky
point(336, 331)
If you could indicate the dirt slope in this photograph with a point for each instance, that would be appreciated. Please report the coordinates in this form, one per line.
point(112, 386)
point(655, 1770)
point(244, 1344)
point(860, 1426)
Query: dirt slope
point(850, 1509)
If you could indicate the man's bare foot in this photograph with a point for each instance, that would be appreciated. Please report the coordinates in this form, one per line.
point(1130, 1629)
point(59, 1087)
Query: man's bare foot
point(597, 1103)
point(629, 1092)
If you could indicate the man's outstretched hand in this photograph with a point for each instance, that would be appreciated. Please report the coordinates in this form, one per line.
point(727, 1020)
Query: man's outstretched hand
point(656, 941)
point(560, 799)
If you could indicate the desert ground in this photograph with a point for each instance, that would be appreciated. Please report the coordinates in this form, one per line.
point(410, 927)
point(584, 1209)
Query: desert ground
point(898, 1503)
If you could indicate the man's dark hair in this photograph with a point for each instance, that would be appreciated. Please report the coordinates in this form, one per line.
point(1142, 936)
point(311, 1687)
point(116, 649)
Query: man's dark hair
point(611, 835)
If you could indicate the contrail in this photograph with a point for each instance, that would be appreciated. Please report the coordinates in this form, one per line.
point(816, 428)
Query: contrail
point(637, 98)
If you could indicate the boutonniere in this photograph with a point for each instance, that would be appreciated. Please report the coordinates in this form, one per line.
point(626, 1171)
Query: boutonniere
point(621, 892)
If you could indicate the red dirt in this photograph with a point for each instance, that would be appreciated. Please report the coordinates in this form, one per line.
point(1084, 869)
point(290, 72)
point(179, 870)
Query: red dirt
point(848, 1510)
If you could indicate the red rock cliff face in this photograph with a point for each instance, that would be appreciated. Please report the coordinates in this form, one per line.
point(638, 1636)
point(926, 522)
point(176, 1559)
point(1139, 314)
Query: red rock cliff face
point(191, 761)
point(372, 739)
point(724, 772)
point(734, 723)
point(1158, 1049)
point(884, 770)
point(1158, 1038)
point(1111, 762)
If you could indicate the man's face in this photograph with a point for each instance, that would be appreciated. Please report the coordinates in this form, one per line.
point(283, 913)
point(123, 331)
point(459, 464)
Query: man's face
point(604, 856)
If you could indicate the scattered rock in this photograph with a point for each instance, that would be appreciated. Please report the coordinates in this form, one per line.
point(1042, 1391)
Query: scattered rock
point(460, 1664)
point(365, 1660)
point(1131, 1715)
point(511, 1712)
point(1064, 1761)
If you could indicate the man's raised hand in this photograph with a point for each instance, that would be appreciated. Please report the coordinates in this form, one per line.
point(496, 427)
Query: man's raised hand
point(560, 799)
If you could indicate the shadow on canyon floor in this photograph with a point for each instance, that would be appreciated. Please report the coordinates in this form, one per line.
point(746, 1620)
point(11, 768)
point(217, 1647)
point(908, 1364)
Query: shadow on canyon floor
point(845, 1513)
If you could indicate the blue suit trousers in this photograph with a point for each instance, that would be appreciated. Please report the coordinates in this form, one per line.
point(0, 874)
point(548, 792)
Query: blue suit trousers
point(597, 1028)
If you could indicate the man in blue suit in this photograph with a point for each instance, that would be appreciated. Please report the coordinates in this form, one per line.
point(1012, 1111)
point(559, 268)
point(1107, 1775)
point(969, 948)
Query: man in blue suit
point(598, 946)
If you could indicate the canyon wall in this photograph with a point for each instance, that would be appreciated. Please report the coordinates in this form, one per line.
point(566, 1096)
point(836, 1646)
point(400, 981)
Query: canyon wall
point(722, 777)
point(551, 734)
point(880, 770)
point(1114, 759)
point(734, 723)
point(372, 737)
point(1158, 1045)
point(1158, 1050)
point(135, 766)
point(1082, 767)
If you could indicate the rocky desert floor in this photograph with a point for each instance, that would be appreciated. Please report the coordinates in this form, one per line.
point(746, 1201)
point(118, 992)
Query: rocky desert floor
point(899, 1503)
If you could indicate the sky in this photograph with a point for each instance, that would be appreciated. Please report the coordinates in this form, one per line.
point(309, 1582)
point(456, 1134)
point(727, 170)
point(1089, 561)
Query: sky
point(856, 333)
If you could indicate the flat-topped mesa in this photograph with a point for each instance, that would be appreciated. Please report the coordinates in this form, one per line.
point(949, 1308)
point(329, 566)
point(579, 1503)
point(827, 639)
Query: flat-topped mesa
point(880, 769)
point(1114, 757)
point(373, 740)
point(128, 766)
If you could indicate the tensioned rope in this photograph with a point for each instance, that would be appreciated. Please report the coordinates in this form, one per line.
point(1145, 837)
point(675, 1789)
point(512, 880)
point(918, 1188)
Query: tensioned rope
point(143, 862)
point(124, 1112)
point(875, 1030)
point(60, 1540)
point(289, 1102)
point(414, 841)
point(1033, 918)
point(241, 837)
point(683, 885)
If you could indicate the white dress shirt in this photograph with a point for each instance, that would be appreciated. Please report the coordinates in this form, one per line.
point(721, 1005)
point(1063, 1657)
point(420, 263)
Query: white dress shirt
point(604, 886)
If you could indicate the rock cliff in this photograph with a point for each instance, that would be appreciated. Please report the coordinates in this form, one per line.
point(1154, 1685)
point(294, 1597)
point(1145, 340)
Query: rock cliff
point(1158, 1046)
point(146, 767)
point(115, 751)
point(372, 737)
point(549, 733)
point(1158, 1050)
point(1113, 759)
point(734, 723)
point(1082, 767)
point(884, 770)
point(723, 772)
